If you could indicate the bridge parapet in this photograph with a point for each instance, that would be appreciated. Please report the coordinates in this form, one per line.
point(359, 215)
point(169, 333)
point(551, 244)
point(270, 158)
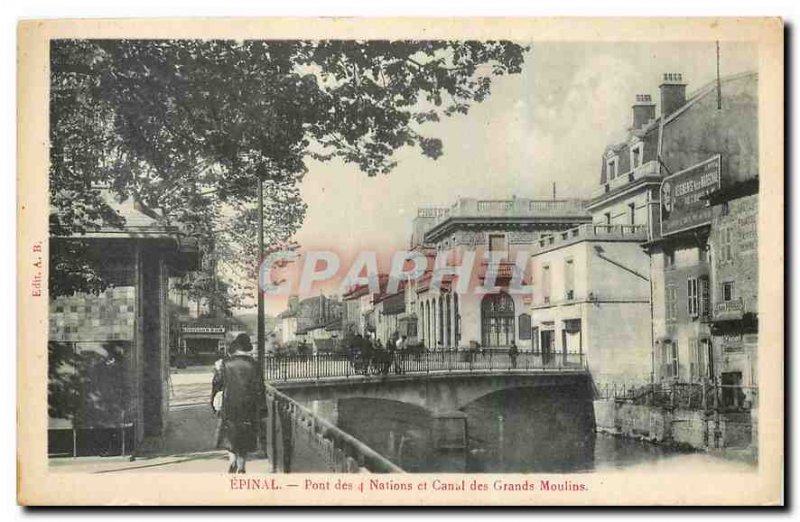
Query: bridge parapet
point(312, 368)
point(300, 441)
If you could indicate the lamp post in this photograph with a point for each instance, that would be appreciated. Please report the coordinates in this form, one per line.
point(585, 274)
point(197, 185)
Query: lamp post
point(261, 345)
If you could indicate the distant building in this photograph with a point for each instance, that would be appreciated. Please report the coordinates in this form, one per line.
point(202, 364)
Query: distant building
point(204, 340)
point(287, 321)
point(311, 319)
point(379, 315)
point(448, 319)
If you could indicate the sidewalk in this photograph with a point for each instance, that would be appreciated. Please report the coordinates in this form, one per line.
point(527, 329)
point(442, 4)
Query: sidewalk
point(188, 444)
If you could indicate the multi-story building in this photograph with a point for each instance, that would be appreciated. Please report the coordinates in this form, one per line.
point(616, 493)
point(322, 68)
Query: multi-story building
point(708, 143)
point(592, 298)
point(734, 293)
point(593, 291)
point(491, 229)
point(643, 268)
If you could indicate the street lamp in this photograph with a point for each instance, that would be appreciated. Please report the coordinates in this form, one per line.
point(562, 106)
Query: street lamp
point(261, 345)
point(256, 159)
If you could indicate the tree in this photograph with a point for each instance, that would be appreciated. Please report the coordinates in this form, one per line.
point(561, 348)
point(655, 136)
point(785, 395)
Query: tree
point(188, 126)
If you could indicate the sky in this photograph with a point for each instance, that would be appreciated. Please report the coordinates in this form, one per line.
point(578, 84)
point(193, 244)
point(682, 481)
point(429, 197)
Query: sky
point(551, 123)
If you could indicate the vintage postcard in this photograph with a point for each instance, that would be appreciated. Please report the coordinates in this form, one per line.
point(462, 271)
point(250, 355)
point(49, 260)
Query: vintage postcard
point(401, 262)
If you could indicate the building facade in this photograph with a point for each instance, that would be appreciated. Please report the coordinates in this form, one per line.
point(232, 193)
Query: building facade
point(495, 231)
point(708, 144)
point(592, 301)
point(734, 293)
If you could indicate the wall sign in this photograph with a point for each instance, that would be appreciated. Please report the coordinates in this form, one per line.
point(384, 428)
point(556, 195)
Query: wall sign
point(681, 205)
point(203, 329)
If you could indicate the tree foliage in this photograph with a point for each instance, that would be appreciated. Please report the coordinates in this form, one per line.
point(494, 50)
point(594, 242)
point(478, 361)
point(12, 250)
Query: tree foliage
point(188, 126)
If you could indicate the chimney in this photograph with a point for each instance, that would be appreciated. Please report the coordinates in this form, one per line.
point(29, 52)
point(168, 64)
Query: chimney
point(644, 110)
point(673, 93)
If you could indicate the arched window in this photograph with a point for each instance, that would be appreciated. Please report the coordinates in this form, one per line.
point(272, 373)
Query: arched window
point(497, 320)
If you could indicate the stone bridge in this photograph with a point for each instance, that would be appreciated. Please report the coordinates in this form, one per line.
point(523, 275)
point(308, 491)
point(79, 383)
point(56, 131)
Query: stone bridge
point(442, 387)
point(439, 392)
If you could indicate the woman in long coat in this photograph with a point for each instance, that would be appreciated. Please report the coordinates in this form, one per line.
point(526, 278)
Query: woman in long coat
point(243, 400)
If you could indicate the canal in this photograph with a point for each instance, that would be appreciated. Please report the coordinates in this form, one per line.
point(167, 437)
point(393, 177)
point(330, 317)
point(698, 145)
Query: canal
point(512, 431)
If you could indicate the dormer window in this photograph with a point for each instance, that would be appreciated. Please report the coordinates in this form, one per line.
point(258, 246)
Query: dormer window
point(636, 156)
point(611, 164)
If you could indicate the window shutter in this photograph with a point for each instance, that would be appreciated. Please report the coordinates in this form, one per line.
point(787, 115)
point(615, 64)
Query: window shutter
point(705, 300)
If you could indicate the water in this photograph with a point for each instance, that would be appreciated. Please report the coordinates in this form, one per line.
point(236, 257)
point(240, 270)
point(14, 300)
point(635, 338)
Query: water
point(518, 430)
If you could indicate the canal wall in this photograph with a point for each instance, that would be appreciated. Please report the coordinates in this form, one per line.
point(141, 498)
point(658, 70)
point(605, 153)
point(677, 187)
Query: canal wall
point(684, 428)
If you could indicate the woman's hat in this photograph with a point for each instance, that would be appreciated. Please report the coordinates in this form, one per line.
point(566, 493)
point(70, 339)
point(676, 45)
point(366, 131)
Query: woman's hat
point(242, 343)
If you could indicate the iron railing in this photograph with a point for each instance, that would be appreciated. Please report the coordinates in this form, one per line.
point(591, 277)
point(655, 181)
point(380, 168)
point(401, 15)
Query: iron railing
point(684, 395)
point(297, 440)
point(326, 366)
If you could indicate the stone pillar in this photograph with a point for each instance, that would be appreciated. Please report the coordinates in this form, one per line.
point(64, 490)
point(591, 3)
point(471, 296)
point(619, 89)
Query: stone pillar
point(435, 322)
point(450, 430)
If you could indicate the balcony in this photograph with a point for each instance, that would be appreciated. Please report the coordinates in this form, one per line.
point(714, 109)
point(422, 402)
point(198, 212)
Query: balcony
point(504, 270)
point(649, 169)
point(633, 233)
point(469, 207)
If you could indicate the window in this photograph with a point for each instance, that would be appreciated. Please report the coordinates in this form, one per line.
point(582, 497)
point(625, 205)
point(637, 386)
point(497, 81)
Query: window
point(727, 291)
point(632, 213)
point(535, 339)
point(705, 299)
point(636, 156)
point(671, 304)
point(546, 284)
point(497, 243)
point(669, 360)
point(692, 302)
point(669, 258)
point(412, 329)
point(702, 255)
point(524, 325)
point(497, 320)
point(608, 218)
point(572, 340)
point(725, 242)
point(569, 279)
point(612, 168)
point(697, 359)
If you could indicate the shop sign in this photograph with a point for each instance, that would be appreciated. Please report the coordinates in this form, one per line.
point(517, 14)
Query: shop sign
point(203, 329)
point(682, 204)
point(732, 343)
point(729, 310)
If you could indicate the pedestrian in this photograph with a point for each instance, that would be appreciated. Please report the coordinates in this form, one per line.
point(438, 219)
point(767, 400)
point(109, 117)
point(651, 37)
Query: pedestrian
point(513, 351)
point(239, 398)
point(400, 355)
